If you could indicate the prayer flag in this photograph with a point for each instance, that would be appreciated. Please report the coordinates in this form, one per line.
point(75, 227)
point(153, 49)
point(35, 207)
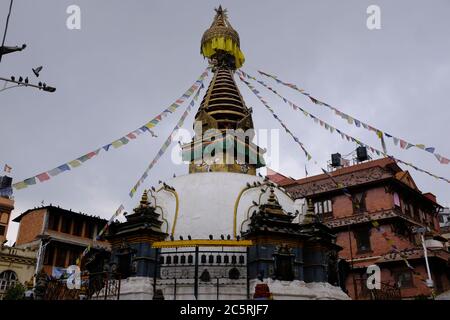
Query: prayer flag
point(43, 177)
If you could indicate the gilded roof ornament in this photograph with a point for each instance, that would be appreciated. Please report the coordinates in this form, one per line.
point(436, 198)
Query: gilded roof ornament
point(221, 43)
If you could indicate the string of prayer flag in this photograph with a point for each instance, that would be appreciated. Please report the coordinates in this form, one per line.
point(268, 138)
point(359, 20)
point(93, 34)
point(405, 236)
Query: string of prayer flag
point(332, 129)
point(256, 92)
point(403, 144)
point(166, 144)
point(47, 175)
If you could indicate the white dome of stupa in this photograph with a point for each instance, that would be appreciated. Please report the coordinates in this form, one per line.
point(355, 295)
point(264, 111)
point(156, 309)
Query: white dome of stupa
point(209, 203)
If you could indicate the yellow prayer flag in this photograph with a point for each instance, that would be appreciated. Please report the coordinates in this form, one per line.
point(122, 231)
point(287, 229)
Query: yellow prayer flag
point(117, 144)
point(20, 185)
point(75, 163)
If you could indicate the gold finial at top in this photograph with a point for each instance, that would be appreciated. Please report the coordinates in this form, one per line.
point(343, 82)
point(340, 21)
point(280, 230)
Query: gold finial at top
point(144, 199)
point(310, 215)
point(272, 197)
point(221, 43)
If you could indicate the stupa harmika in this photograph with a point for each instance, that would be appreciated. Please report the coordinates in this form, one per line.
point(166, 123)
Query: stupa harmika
point(220, 230)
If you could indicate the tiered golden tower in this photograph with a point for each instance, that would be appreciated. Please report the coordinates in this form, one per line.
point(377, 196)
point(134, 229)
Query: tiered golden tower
point(224, 125)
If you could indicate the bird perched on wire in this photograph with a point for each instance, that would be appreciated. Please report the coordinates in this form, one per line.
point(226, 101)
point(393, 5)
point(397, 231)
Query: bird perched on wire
point(37, 70)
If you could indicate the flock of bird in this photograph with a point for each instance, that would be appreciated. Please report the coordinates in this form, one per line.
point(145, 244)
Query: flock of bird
point(25, 81)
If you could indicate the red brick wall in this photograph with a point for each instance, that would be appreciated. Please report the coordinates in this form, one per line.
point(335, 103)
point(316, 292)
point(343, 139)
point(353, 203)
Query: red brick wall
point(376, 200)
point(388, 276)
point(30, 226)
point(342, 206)
point(378, 243)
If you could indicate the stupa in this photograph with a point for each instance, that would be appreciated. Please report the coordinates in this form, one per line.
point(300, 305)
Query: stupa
point(221, 230)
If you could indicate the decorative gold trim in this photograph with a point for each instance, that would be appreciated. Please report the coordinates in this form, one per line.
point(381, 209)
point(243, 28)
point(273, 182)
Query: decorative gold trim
point(236, 205)
point(224, 111)
point(177, 206)
point(202, 243)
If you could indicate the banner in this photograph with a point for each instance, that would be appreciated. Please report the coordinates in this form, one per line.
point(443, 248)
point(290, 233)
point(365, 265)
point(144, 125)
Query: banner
point(358, 123)
point(332, 129)
point(45, 176)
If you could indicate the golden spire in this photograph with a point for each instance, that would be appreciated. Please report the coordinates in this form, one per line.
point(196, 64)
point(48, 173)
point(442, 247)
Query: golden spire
point(223, 109)
point(221, 43)
point(144, 200)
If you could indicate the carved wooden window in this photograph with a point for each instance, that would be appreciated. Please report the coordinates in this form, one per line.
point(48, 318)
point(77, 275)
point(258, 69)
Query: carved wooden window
point(77, 227)
point(396, 200)
point(89, 230)
point(404, 279)
point(323, 207)
point(49, 254)
point(61, 257)
point(66, 224)
point(53, 221)
point(219, 259)
point(362, 237)
point(2, 230)
point(359, 202)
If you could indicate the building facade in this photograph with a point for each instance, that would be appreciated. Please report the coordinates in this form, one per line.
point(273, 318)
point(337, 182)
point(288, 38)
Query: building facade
point(444, 223)
point(379, 213)
point(59, 236)
point(17, 265)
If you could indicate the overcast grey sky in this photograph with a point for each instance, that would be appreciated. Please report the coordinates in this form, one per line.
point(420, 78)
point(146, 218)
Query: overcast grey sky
point(132, 59)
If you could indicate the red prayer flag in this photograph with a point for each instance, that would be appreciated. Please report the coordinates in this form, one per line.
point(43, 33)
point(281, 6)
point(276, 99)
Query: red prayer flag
point(131, 135)
point(43, 177)
point(402, 144)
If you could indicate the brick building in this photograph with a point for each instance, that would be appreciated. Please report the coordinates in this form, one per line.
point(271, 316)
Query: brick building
point(379, 190)
point(59, 235)
point(6, 206)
